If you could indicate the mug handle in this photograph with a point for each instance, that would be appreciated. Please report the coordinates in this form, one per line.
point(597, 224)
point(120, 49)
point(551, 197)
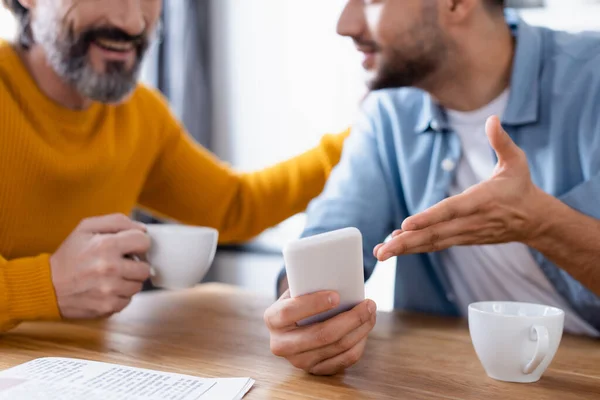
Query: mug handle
point(540, 334)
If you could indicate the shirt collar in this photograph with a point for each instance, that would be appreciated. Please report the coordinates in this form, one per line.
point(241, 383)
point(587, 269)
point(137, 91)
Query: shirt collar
point(524, 100)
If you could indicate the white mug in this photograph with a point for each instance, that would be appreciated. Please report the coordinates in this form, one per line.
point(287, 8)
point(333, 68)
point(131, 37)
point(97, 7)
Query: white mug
point(515, 342)
point(179, 255)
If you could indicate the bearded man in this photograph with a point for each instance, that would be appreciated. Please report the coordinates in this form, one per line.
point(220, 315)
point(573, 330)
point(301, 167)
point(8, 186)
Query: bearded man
point(508, 216)
point(83, 144)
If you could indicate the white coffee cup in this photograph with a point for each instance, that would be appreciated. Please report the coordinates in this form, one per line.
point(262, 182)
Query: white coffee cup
point(180, 256)
point(515, 342)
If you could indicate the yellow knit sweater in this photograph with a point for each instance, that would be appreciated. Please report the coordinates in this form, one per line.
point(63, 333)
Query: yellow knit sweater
point(59, 166)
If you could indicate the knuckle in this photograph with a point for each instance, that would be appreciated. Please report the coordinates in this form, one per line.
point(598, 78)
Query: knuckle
point(344, 345)
point(106, 290)
point(363, 316)
point(277, 348)
point(434, 237)
point(401, 247)
point(300, 363)
point(450, 211)
point(323, 336)
point(434, 247)
point(352, 357)
point(104, 244)
point(121, 218)
point(105, 268)
point(404, 248)
point(141, 236)
point(269, 317)
point(283, 314)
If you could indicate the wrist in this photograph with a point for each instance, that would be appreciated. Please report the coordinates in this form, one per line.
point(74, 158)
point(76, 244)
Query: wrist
point(546, 214)
point(28, 289)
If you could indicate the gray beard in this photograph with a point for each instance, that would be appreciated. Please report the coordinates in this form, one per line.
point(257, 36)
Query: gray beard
point(69, 60)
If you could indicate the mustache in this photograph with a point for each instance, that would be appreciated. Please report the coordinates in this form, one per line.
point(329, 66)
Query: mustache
point(368, 46)
point(113, 34)
point(79, 44)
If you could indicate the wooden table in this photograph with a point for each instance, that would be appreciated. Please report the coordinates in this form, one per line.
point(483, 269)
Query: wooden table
point(217, 331)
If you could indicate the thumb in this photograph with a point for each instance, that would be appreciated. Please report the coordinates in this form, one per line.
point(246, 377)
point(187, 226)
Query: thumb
point(503, 145)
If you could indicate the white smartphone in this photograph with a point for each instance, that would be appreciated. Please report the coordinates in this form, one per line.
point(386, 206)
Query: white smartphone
point(330, 261)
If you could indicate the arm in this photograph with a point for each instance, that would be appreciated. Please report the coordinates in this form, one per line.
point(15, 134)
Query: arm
point(26, 291)
point(89, 276)
point(189, 184)
point(570, 239)
point(356, 195)
point(510, 208)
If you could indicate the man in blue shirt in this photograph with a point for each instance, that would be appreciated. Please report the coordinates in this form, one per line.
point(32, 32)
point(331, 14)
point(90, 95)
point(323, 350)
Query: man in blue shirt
point(511, 215)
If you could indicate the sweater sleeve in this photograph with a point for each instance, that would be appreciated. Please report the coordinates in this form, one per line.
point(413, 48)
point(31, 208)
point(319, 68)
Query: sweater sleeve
point(189, 184)
point(26, 291)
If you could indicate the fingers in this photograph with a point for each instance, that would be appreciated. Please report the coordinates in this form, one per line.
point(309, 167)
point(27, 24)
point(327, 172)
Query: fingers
point(503, 145)
point(132, 242)
point(128, 289)
point(326, 333)
point(308, 360)
point(104, 307)
point(451, 208)
point(287, 311)
point(113, 223)
point(135, 271)
point(341, 362)
point(376, 249)
point(462, 240)
point(379, 246)
point(434, 238)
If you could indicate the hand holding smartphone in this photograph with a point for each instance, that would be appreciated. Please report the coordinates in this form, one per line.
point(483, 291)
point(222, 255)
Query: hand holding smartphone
point(330, 261)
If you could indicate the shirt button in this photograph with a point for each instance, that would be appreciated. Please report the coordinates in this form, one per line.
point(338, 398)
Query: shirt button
point(448, 165)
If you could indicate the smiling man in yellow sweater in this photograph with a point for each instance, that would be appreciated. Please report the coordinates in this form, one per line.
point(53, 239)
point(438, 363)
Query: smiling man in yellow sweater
point(82, 144)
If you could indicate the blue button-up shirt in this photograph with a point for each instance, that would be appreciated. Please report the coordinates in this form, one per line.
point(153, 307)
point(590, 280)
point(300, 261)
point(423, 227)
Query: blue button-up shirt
point(392, 164)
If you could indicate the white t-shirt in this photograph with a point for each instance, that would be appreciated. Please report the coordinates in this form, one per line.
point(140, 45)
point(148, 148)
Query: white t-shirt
point(506, 272)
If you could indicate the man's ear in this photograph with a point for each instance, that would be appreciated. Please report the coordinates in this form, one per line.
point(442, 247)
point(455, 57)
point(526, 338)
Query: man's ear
point(456, 11)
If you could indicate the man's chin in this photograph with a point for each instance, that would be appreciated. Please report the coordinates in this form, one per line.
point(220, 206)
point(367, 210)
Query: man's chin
point(106, 92)
point(370, 78)
point(376, 83)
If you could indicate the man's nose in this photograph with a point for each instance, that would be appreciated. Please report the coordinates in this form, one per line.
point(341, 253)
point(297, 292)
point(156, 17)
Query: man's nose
point(352, 22)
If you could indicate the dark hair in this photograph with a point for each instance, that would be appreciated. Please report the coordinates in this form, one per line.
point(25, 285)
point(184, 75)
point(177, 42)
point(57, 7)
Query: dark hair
point(496, 3)
point(22, 15)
